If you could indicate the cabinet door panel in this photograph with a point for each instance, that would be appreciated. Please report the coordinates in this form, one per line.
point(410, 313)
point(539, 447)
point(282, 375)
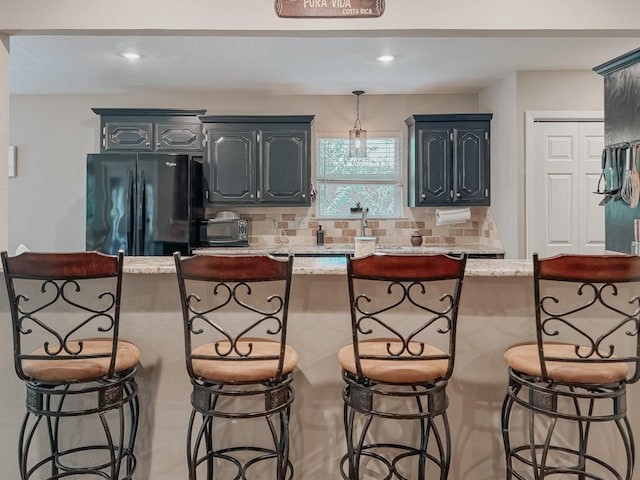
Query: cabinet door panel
point(471, 167)
point(434, 169)
point(129, 136)
point(285, 174)
point(232, 166)
point(173, 137)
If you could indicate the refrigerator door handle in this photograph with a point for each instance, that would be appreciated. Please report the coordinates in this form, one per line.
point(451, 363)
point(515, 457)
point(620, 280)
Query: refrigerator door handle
point(143, 213)
point(132, 213)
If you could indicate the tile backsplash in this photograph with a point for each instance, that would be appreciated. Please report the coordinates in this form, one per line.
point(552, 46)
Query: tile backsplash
point(298, 226)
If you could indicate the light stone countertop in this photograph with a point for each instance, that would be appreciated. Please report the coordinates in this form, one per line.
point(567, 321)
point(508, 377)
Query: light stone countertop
point(341, 249)
point(337, 266)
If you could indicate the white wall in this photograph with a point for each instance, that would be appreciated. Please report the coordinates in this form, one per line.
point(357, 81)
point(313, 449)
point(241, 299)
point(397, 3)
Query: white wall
point(54, 134)
point(550, 91)
point(500, 99)
point(4, 137)
point(247, 15)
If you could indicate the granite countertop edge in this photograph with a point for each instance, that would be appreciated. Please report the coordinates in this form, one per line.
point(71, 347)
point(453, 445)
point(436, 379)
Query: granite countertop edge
point(337, 266)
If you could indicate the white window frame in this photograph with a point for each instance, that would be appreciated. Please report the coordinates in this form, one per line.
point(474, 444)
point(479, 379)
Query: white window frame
point(398, 181)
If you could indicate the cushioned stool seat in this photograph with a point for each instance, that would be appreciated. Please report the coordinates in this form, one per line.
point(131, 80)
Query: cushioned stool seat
point(242, 369)
point(526, 359)
point(391, 371)
point(73, 370)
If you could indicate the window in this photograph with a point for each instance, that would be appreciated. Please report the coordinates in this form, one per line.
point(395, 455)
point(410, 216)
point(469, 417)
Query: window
point(374, 181)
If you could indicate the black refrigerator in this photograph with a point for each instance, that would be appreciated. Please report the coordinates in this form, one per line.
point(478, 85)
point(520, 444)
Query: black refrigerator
point(143, 203)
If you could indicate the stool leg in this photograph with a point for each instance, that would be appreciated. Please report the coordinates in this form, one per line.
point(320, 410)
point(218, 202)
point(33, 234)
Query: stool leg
point(24, 444)
point(354, 448)
point(134, 419)
point(114, 459)
point(348, 419)
point(443, 441)
point(210, 446)
point(428, 427)
point(624, 427)
point(507, 406)
point(281, 442)
point(193, 445)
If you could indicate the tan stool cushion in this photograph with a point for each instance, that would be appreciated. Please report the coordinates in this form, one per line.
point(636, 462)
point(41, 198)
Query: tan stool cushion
point(82, 369)
point(394, 371)
point(524, 358)
point(243, 370)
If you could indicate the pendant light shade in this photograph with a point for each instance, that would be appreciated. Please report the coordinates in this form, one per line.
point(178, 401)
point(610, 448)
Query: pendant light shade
point(357, 136)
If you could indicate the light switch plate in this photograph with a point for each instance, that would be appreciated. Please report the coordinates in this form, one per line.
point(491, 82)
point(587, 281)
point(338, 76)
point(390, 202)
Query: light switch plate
point(13, 161)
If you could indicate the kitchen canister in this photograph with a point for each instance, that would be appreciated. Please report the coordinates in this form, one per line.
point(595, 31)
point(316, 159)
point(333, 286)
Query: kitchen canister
point(416, 239)
point(365, 246)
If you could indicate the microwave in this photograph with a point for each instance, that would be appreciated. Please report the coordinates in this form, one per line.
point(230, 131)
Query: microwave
point(224, 232)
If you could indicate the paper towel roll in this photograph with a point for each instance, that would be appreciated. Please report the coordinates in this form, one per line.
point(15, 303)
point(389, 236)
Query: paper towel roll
point(454, 215)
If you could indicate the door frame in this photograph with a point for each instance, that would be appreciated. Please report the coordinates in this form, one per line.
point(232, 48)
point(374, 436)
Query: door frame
point(531, 117)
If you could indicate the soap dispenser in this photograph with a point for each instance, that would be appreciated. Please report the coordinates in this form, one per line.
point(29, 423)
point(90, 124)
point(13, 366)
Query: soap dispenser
point(320, 236)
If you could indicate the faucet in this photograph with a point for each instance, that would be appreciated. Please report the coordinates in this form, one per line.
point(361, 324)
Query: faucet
point(364, 222)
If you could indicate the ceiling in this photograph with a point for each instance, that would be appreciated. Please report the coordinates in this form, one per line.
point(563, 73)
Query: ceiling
point(292, 65)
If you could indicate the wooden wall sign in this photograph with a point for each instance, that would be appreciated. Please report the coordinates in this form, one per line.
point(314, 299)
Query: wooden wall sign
point(329, 8)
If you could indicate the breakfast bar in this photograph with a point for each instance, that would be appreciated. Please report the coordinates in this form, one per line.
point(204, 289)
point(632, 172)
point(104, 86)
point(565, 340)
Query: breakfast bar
point(496, 310)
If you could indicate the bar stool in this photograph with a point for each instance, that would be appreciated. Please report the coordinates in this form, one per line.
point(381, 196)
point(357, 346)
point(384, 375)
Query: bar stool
point(404, 311)
point(65, 310)
point(566, 400)
point(235, 329)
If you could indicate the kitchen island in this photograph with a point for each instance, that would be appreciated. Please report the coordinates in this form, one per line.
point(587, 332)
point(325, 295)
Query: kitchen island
point(496, 310)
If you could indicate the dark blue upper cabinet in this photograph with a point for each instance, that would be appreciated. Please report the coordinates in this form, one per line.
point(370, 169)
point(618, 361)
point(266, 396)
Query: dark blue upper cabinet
point(258, 160)
point(449, 160)
point(150, 130)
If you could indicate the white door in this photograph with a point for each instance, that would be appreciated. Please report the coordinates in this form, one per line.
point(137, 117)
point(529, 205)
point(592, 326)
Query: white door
point(564, 213)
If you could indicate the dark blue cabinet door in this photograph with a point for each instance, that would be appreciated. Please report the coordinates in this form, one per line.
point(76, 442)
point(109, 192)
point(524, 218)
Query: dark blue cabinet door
point(284, 170)
point(178, 137)
point(435, 168)
point(128, 136)
point(471, 180)
point(232, 158)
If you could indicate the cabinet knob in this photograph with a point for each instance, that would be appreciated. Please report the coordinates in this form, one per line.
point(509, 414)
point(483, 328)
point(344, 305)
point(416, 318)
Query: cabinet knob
point(147, 144)
point(458, 195)
point(423, 196)
point(252, 195)
point(304, 196)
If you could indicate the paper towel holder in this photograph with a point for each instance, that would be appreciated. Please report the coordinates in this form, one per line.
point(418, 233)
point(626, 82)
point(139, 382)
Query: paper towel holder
point(452, 216)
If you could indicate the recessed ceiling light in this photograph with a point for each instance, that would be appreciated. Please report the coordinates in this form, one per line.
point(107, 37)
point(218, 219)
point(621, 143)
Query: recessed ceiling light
point(386, 58)
point(130, 55)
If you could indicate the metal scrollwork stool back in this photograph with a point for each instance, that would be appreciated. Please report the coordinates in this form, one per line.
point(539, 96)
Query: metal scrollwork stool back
point(81, 393)
point(404, 311)
point(235, 329)
point(565, 413)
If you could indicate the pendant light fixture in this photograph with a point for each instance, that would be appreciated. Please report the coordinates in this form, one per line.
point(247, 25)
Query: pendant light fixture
point(357, 136)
